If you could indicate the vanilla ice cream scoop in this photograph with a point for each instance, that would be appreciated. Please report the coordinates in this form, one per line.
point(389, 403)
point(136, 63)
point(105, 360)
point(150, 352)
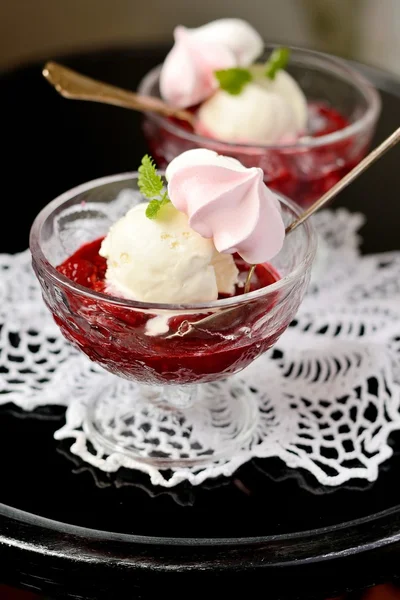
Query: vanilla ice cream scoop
point(163, 260)
point(265, 112)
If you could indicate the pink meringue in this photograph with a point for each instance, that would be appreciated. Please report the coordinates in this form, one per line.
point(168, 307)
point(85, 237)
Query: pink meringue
point(227, 202)
point(187, 76)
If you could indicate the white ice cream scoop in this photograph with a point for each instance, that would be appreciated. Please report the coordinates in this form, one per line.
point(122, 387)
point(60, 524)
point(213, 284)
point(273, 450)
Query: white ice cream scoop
point(163, 260)
point(265, 112)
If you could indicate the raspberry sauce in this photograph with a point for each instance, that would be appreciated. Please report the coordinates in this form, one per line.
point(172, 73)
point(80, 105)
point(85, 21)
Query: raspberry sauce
point(116, 336)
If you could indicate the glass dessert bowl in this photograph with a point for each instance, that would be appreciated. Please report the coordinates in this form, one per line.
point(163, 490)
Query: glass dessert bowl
point(343, 108)
point(174, 354)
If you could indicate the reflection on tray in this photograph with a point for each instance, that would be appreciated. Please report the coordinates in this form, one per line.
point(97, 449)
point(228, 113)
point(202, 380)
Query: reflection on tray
point(183, 495)
point(42, 413)
point(276, 471)
point(255, 480)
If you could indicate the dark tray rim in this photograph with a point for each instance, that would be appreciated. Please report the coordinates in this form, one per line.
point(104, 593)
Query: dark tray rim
point(26, 531)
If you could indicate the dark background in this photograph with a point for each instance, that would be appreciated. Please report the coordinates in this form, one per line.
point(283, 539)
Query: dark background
point(365, 30)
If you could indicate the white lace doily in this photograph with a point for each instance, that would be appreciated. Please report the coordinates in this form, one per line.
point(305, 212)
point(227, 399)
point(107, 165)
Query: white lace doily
point(327, 394)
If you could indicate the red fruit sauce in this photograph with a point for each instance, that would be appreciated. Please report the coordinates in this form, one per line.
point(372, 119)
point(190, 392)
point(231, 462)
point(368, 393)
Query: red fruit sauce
point(116, 337)
point(302, 174)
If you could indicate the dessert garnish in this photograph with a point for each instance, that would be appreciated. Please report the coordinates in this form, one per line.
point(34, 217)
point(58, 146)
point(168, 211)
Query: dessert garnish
point(152, 187)
point(180, 246)
point(187, 76)
point(233, 80)
point(278, 60)
point(227, 202)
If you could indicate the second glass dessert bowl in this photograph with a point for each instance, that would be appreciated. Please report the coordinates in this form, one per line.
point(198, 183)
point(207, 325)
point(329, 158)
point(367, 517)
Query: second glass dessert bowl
point(343, 110)
point(174, 413)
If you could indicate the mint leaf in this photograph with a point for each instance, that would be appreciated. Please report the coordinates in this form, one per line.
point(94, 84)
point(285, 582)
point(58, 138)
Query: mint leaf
point(165, 200)
point(278, 60)
point(154, 206)
point(233, 80)
point(150, 183)
point(152, 209)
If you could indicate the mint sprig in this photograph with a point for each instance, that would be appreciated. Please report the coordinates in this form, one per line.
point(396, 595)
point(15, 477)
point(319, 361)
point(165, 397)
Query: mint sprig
point(154, 207)
point(233, 80)
point(151, 186)
point(278, 60)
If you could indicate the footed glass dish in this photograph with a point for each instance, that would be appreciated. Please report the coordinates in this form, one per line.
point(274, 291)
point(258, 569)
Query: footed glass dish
point(174, 374)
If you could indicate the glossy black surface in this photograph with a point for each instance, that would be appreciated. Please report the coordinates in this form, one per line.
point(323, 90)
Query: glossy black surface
point(51, 145)
point(262, 499)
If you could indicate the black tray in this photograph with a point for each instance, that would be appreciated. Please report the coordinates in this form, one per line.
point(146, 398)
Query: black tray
point(70, 530)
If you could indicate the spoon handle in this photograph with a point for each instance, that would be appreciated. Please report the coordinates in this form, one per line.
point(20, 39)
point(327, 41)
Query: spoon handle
point(373, 156)
point(75, 86)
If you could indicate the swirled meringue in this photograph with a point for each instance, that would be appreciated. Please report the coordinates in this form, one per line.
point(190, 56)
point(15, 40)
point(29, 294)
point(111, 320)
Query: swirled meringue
point(227, 202)
point(187, 76)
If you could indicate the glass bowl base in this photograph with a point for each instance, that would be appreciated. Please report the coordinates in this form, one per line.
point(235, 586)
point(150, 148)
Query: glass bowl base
point(148, 424)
